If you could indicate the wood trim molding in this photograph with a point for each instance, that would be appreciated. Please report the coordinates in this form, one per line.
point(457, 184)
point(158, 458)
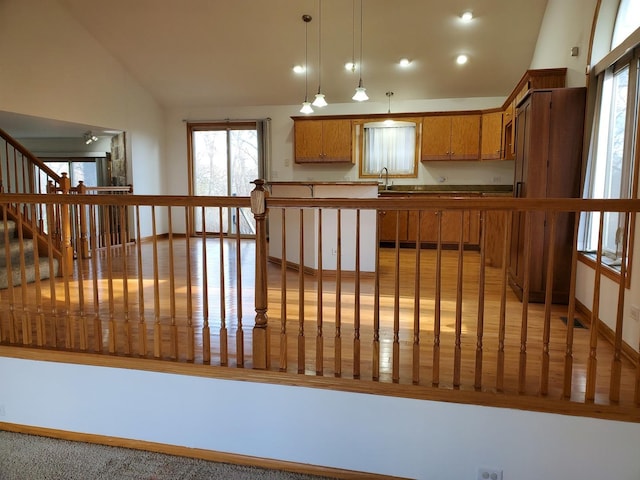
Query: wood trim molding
point(627, 350)
point(325, 273)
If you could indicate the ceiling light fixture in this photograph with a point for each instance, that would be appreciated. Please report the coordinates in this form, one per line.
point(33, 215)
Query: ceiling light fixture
point(299, 69)
point(361, 92)
point(320, 100)
point(462, 59)
point(89, 137)
point(352, 64)
point(467, 16)
point(405, 62)
point(306, 105)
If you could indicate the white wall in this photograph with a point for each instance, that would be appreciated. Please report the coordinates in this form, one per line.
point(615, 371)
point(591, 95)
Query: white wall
point(384, 435)
point(566, 24)
point(52, 68)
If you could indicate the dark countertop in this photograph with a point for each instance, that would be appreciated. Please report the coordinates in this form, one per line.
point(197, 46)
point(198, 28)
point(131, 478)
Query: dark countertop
point(395, 190)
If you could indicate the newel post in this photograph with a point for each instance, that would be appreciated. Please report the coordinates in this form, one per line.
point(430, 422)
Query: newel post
point(65, 220)
point(260, 329)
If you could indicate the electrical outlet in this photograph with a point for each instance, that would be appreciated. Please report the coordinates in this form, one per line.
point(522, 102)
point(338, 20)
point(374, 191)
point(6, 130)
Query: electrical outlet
point(334, 251)
point(489, 474)
point(635, 312)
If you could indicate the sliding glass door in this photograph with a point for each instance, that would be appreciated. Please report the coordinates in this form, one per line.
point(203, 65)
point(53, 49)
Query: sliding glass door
point(225, 159)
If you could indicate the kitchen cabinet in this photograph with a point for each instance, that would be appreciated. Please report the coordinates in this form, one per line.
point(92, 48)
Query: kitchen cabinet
point(549, 134)
point(392, 221)
point(323, 141)
point(454, 223)
point(450, 137)
point(491, 136)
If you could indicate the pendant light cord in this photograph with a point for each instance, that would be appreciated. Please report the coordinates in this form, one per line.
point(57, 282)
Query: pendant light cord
point(319, 44)
point(361, 35)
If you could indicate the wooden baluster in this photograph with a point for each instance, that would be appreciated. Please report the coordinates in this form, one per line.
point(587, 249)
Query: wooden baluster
point(157, 327)
point(301, 300)
point(416, 305)
point(319, 306)
point(481, 294)
point(173, 327)
point(356, 304)
point(190, 330)
point(457, 352)
point(436, 305)
point(142, 323)
point(224, 352)
point(206, 331)
point(548, 300)
point(375, 367)
point(52, 268)
point(25, 317)
point(41, 335)
point(522, 366)
point(337, 347)
point(239, 328)
point(283, 293)
point(97, 322)
point(395, 375)
point(83, 334)
point(592, 362)
point(571, 311)
point(9, 266)
point(65, 220)
point(260, 329)
point(15, 173)
point(502, 328)
point(128, 339)
point(84, 242)
point(112, 340)
point(616, 364)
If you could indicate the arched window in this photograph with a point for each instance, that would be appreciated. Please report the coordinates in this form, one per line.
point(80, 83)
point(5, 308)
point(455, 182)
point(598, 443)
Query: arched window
point(613, 157)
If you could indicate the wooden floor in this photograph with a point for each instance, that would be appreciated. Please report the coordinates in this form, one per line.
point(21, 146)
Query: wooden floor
point(162, 314)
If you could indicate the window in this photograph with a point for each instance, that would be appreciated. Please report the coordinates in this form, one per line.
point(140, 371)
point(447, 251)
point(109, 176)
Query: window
point(390, 144)
point(612, 154)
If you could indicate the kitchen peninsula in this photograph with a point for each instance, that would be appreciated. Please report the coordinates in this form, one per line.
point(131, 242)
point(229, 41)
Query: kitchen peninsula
point(311, 223)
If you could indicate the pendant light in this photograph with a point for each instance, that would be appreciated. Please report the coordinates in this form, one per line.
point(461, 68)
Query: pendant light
point(306, 105)
point(389, 121)
point(320, 100)
point(361, 92)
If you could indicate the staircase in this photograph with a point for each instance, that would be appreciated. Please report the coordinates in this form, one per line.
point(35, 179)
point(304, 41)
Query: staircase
point(33, 267)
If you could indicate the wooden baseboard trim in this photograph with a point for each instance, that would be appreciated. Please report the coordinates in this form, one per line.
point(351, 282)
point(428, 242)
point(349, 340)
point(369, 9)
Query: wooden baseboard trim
point(627, 350)
point(188, 452)
point(325, 273)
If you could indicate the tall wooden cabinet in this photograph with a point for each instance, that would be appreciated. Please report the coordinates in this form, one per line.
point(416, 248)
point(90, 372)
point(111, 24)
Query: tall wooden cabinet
point(549, 133)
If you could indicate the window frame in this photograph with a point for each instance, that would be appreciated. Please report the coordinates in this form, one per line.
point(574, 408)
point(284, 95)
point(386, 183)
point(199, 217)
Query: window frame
point(359, 128)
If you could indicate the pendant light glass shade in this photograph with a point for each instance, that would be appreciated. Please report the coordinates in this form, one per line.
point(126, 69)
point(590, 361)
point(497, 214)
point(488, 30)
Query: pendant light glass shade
point(306, 107)
point(361, 93)
point(319, 101)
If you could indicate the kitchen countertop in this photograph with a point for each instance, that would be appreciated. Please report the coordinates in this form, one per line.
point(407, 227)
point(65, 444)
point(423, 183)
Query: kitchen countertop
point(395, 190)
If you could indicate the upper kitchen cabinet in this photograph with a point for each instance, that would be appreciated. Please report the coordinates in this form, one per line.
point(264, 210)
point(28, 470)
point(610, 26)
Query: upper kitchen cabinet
point(451, 137)
point(323, 141)
point(491, 147)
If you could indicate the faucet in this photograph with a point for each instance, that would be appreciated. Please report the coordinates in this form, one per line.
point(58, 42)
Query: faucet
point(386, 177)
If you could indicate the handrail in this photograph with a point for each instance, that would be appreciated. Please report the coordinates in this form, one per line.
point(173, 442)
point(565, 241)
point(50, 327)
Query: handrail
point(30, 156)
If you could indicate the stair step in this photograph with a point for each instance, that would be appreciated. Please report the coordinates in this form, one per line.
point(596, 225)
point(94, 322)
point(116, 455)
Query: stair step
point(30, 273)
point(14, 250)
point(11, 226)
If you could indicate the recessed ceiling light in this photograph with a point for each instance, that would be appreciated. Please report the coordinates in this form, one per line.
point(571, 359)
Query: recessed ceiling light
point(462, 59)
point(298, 69)
point(467, 16)
point(405, 62)
point(350, 66)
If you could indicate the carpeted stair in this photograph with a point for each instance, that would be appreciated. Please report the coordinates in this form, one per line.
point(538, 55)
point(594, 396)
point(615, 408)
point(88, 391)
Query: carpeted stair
point(29, 259)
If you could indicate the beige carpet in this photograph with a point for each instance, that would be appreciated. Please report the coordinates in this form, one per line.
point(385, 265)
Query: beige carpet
point(28, 457)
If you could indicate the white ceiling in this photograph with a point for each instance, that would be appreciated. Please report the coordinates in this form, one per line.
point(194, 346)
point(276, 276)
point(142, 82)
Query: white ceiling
point(241, 52)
